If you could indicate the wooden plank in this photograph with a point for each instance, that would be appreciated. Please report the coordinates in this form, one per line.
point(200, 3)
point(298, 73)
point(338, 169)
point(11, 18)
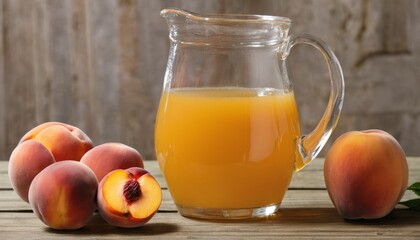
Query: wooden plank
point(4, 177)
point(62, 61)
point(60, 54)
point(311, 177)
point(150, 46)
point(291, 223)
point(103, 42)
point(305, 213)
point(46, 43)
point(9, 201)
point(151, 166)
point(18, 104)
point(81, 62)
point(132, 89)
point(41, 60)
point(2, 85)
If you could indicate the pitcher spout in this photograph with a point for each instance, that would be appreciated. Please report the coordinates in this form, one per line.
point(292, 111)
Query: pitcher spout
point(177, 15)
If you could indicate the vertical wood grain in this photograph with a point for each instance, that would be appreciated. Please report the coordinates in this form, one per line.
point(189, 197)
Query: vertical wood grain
point(3, 147)
point(81, 63)
point(99, 64)
point(41, 61)
point(103, 31)
point(153, 49)
point(62, 88)
point(19, 97)
point(133, 89)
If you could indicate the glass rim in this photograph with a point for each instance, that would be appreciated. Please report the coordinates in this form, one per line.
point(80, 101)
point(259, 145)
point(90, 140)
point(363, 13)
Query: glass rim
point(235, 18)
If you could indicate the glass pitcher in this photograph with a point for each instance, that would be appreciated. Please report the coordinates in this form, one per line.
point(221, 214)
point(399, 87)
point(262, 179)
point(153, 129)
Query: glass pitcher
point(227, 133)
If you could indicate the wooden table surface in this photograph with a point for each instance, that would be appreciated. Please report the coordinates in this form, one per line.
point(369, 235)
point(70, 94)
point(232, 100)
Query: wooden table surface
point(306, 212)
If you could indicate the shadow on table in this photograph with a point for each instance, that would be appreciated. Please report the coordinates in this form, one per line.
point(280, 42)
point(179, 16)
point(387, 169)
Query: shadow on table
point(320, 216)
point(98, 226)
point(397, 217)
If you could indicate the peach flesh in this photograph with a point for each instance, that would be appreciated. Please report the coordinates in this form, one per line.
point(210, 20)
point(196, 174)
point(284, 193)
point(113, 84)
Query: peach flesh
point(128, 198)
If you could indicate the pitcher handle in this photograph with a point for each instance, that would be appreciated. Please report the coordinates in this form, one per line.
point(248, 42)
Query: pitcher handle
point(310, 145)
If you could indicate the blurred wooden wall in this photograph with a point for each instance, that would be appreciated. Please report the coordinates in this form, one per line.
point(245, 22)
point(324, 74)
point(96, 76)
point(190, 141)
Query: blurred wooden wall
point(99, 64)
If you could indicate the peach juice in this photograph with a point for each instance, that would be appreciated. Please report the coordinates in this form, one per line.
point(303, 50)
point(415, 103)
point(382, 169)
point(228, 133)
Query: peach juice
point(229, 148)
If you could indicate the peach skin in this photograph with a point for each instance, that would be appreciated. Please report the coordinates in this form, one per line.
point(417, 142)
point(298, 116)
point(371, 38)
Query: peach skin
point(64, 141)
point(63, 195)
point(107, 157)
point(366, 174)
point(26, 161)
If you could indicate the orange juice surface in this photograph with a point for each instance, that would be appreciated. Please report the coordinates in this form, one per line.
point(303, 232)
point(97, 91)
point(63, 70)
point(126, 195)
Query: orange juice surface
point(227, 148)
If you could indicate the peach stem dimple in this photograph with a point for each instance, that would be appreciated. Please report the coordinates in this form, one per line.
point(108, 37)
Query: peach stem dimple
point(132, 191)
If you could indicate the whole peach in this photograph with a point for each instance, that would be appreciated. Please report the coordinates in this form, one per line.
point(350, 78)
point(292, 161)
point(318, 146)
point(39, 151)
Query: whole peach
point(63, 195)
point(26, 161)
point(64, 141)
point(366, 174)
point(107, 157)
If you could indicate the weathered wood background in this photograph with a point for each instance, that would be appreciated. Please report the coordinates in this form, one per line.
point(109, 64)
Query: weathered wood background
point(99, 64)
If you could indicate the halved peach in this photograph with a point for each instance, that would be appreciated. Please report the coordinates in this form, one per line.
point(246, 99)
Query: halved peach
point(129, 198)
